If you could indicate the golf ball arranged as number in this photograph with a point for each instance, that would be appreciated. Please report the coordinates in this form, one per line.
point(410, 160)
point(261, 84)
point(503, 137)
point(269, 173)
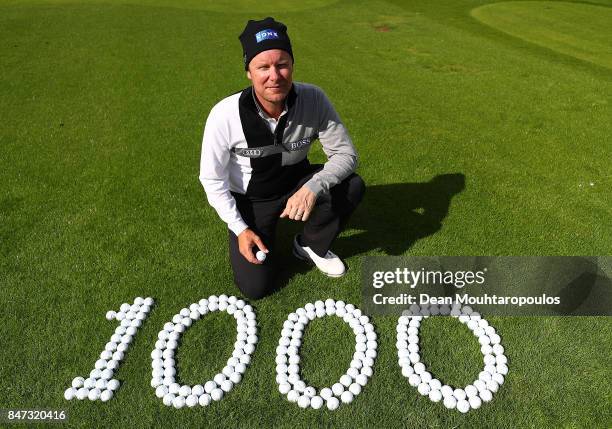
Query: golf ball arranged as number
point(229, 375)
point(288, 359)
point(473, 395)
point(100, 385)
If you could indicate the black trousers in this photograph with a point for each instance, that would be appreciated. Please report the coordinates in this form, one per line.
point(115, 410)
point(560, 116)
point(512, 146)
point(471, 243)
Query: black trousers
point(326, 221)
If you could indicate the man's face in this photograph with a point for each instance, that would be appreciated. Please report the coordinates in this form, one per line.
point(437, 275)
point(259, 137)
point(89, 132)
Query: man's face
point(271, 74)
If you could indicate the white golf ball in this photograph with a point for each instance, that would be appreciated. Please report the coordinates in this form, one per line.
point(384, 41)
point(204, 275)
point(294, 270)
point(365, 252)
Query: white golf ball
point(326, 393)
point(480, 385)
point(424, 389)
point(407, 371)
point(435, 384)
point(498, 378)
point(414, 380)
point(310, 391)
point(463, 406)
point(216, 394)
point(112, 385)
point(197, 390)
point(316, 402)
point(498, 349)
point(332, 403)
point(484, 376)
point(361, 379)
point(174, 388)
point(346, 397)
point(178, 402)
point(459, 394)
point(168, 399)
point(77, 382)
point(299, 386)
point(492, 386)
point(293, 396)
point(106, 395)
point(450, 402)
point(475, 402)
point(355, 389)
point(261, 256)
point(184, 390)
point(161, 391)
point(82, 393)
point(70, 393)
point(235, 377)
point(446, 390)
point(303, 401)
point(191, 401)
point(205, 400)
point(486, 395)
point(346, 380)
point(435, 395)
point(209, 386)
point(219, 378)
point(471, 391)
point(502, 369)
point(94, 394)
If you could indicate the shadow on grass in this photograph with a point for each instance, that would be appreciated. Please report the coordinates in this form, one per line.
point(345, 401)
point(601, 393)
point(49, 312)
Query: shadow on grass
point(394, 217)
point(390, 218)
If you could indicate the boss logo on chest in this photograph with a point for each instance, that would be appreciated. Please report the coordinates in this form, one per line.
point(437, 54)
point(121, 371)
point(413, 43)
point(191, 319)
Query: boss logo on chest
point(297, 145)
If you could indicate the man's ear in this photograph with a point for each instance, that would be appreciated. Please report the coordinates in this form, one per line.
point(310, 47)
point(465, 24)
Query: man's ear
point(249, 75)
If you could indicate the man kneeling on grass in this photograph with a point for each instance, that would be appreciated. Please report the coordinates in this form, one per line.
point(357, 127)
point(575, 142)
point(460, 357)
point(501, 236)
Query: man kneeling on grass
point(255, 170)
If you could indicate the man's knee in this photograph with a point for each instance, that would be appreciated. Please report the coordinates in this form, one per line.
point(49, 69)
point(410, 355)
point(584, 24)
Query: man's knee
point(256, 286)
point(355, 190)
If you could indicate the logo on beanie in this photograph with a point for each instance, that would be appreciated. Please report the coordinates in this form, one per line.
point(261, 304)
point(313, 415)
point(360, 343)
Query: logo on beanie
point(266, 35)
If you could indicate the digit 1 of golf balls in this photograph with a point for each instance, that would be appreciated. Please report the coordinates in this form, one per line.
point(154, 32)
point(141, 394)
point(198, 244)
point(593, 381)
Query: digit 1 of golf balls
point(100, 385)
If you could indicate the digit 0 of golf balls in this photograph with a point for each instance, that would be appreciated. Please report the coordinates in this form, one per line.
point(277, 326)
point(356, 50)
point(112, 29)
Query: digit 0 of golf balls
point(473, 395)
point(351, 383)
point(179, 396)
point(100, 386)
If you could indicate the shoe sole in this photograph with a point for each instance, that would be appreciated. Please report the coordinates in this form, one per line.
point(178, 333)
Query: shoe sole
point(310, 262)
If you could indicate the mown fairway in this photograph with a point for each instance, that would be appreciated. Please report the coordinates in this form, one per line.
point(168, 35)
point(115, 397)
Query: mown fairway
point(483, 128)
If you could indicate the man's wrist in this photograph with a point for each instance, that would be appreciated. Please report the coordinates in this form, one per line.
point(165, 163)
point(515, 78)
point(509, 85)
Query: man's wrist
point(314, 186)
point(238, 227)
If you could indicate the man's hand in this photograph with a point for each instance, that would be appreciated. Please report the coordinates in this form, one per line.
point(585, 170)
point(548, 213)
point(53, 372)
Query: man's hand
point(300, 205)
point(247, 239)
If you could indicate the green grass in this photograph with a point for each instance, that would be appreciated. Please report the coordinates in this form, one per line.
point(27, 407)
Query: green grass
point(575, 29)
point(474, 140)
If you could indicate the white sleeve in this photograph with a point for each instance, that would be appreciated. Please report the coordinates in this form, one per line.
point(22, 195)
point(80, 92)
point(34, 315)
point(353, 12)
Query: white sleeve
point(337, 145)
point(214, 171)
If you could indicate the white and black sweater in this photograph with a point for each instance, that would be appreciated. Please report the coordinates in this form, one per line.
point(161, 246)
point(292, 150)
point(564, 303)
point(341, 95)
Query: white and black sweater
point(238, 122)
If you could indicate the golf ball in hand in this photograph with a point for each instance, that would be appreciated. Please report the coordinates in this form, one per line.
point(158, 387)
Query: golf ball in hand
point(261, 256)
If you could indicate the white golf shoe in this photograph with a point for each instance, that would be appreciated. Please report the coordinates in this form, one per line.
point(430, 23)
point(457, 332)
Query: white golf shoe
point(331, 265)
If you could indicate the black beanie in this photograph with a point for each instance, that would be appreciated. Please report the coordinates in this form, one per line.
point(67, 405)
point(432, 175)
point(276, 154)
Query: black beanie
point(263, 35)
